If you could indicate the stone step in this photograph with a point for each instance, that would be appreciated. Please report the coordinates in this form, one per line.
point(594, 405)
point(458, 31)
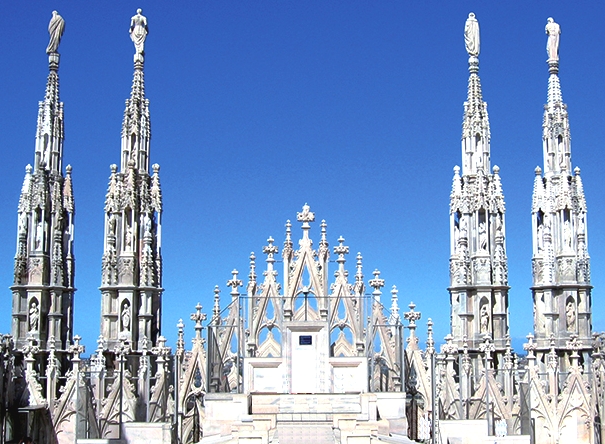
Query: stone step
point(304, 432)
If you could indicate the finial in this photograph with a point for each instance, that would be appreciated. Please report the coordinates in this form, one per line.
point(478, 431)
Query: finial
point(234, 283)
point(138, 34)
point(359, 273)
point(376, 284)
point(430, 342)
point(456, 170)
point(496, 169)
point(341, 249)
point(306, 215)
point(270, 250)
point(56, 27)
point(538, 171)
point(156, 168)
point(198, 317)
point(576, 171)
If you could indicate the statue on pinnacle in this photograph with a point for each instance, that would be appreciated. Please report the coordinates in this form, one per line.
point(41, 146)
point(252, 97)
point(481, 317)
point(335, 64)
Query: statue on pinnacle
point(471, 35)
point(56, 27)
point(138, 32)
point(553, 30)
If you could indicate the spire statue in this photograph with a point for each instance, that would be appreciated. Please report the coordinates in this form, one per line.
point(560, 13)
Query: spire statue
point(553, 30)
point(138, 31)
point(471, 35)
point(56, 27)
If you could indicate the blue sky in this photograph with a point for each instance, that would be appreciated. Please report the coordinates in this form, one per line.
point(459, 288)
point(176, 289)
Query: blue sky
point(258, 107)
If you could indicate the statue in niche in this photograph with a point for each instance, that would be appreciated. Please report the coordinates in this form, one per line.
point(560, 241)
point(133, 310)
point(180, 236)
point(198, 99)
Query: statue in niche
point(39, 235)
point(463, 229)
point(471, 35)
point(482, 236)
point(484, 319)
point(456, 238)
point(128, 239)
point(111, 225)
point(147, 223)
point(138, 31)
point(34, 316)
point(125, 317)
point(540, 237)
point(56, 27)
point(567, 234)
point(581, 226)
point(553, 30)
point(570, 315)
point(22, 223)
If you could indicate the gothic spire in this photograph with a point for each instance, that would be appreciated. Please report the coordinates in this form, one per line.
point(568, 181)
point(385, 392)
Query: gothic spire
point(132, 262)
point(49, 132)
point(556, 135)
point(478, 262)
point(44, 263)
point(475, 126)
point(136, 129)
point(560, 264)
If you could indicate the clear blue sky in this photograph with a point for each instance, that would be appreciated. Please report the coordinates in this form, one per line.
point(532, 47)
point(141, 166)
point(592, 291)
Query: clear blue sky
point(258, 107)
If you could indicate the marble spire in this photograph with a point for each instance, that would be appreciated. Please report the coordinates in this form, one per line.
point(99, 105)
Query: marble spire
point(478, 262)
point(132, 264)
point(43, 287)
point(560, 264)
point(475, 125)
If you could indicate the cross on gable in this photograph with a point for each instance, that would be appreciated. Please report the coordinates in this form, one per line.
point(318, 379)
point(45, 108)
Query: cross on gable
point(234, 283)
point(306, 215)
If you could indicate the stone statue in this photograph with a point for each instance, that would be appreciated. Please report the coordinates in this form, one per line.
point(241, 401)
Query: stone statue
point(56, 27)
point(138, 32)
point(553, 30)
point(484, 315)
point(482, 237)
point(570, 315)
point(126, 318)
point(471, 35)
point(34, 316)
point(22, 223)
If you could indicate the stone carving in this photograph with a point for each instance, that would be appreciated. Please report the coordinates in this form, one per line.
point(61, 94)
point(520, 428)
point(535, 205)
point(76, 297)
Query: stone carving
point(125, 317)
point(482, 237)
point(484, 318)
point(34, 316)
point(56, 27)
point(553, 30)
point(138, 31)
point(570, 315)
point(471, 35)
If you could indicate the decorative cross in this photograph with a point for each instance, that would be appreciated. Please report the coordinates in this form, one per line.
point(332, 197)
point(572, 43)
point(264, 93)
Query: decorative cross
point(530, 346)
point(234, 283)
point(270, 250)
point(376, 284)
point(76, 349)
point(449, 348)
point(161, 351)
point(306, 215)
point(413, 316)
point(198, 317)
